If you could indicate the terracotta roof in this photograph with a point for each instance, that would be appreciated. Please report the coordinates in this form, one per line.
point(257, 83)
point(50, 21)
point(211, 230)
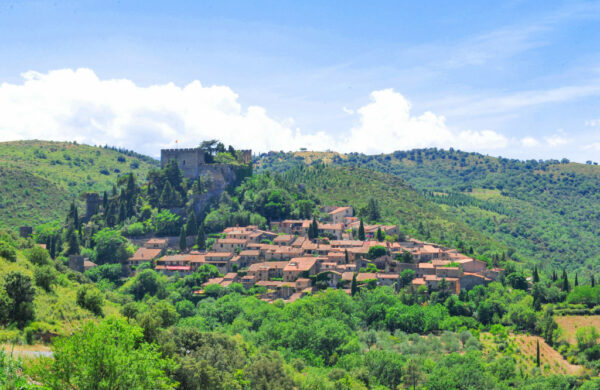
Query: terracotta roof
point(339, 210)
point(146, 254)
point(300, 264)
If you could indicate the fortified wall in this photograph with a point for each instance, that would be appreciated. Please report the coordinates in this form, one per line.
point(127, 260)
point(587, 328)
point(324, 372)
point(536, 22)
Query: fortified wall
point(218, 177)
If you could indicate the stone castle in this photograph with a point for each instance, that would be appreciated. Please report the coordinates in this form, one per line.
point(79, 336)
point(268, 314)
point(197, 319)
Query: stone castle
point(192, 161)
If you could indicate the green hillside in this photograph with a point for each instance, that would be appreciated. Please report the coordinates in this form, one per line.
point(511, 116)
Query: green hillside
point(398, 203)
point(39, 178)
point(544, 210)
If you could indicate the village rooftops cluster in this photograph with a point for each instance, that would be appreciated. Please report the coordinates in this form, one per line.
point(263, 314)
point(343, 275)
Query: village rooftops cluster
point(289, 265)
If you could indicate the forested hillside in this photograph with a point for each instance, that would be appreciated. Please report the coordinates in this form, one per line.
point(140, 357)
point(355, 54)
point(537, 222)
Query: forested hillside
point(547, 211)
point(39, 179)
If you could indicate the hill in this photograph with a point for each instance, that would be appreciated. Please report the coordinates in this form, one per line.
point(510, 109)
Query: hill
point(547, 211)
point(39, 179)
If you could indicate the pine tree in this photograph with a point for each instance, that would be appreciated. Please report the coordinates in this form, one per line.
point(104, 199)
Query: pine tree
point(566, 286)
point(380, 235)
point(182, 239)
point(315, 228)
point(72, 242)
point(201, 239)
point(353, 286)
point(537, 360)
point(122, 213)
point(576, 281)
point(593, 281)
point(361, 231)
point(346, 258)
point(536, 276)
point(167, 196)
point(52, 247)
point(554, 277)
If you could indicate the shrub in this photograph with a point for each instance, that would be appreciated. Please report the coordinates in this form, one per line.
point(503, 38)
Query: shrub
point(90, 299)
point(38, 255)
point(7, 251)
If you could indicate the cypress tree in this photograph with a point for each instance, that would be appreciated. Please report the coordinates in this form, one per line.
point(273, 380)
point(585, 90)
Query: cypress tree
point(105, 202)
point(182, 240)
point(566, 286)
point(361, 231)
point(593, 281)
point(72, 242)
point(576, 281)
point(380, 235)
point(536, 276)
point(346, 256)
point(192, 225)
point(353, 286)
point(537, 360)
point(554, 277)
point(122, 213)
point(315, 228)
point(52, 247)
point(201, 239)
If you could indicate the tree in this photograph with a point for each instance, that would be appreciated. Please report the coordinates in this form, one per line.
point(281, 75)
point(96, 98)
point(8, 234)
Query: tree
point(376, 251)
point(72, 242)
point(537, 359)
point(361, 231)
point(21, 293)
point(407, 276)
point(182, 240)
point(592, 281)
point(554, 277)
point(413, 373)
point(201, 238)
point(576, 281)
point(191, 227)
point(45, 276)
point(373, 213)
point(108, 355)
point(380, 236)
point(346, 258)
point(90, 299)
point(147, 282)
point(536, 276)
point(111, 246)
point(353, 286)
point(565, 282)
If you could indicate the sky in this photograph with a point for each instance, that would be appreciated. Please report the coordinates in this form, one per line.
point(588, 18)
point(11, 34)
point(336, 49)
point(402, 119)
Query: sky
point(517, 79)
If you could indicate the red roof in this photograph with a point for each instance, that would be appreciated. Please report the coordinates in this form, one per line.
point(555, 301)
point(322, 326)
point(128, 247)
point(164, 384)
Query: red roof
point(178, 268)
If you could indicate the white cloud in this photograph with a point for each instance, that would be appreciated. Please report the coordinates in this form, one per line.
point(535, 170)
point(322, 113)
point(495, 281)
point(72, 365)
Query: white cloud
point(529, 142)
point(76, 105)
point(386, 124)
point(556, 140)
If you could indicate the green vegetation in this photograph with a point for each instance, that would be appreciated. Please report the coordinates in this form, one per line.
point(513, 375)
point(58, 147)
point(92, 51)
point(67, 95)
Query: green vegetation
point(39, 179)
point(543, 211)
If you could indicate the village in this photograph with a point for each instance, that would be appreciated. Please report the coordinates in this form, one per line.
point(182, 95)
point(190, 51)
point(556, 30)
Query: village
point(289, 264)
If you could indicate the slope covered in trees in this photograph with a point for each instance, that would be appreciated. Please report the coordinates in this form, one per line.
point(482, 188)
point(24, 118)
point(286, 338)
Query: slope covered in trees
point(39, 179)
point(547, 211)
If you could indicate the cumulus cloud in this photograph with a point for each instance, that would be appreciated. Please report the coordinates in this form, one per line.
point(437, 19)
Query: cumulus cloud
point(386, 124)
point(77, 105)
point(529, 142)
point(556, 140)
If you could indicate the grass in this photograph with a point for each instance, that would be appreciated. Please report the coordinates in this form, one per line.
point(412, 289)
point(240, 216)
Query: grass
point(570, 324)
point(39, 179)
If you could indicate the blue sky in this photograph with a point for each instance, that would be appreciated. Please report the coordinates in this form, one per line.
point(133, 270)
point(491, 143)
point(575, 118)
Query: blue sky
point(518, 79)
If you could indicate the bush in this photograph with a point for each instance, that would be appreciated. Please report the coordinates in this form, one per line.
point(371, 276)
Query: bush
point(90, 298)
point(7, 251)
point(45, 276)
point(38, 255)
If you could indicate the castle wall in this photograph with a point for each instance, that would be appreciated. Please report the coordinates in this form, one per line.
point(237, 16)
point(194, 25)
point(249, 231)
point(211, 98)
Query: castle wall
point(188, 160)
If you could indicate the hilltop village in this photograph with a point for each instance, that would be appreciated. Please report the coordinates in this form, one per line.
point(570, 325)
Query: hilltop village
point(289, 264)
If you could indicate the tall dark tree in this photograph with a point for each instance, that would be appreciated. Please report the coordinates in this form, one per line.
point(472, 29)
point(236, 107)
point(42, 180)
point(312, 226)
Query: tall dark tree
point(192, 225)
point(182, 240)
point(72, 242)
point(361, 231)
point(200, 238)
point(20, 290)
point(554, 277)
point(174, 176)
point(72, 216)
point(380, 236)
point(565, 287)
point(592, 281)
point(346, 258)
point(105, 201)
point(536, 276)
point(576, 281)
point(373, 213)
point(122, 212)
point(353, 286)
point(537, 359)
